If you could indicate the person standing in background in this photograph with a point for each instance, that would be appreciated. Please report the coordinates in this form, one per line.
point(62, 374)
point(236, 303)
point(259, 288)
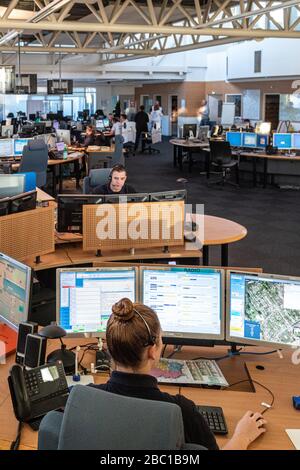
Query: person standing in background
point(155, 116)
point(141, 122)
point(203, 114)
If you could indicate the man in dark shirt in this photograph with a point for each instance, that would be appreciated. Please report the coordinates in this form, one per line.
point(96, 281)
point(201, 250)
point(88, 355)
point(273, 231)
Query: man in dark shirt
point(89, 136)
point(141, 121)
point(116, 183)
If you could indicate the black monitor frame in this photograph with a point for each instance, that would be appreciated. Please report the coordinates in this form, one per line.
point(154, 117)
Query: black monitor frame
point(69, 210)
point(175, 195)
point(187, 128)
point(23, 202)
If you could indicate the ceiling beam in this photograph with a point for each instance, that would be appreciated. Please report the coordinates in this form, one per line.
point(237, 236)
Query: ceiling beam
point(138, 28)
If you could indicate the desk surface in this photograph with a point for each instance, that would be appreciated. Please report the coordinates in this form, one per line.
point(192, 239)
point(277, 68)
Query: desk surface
point(217, 231)
point(189, 143)
point(279, 375)
point(270, 157)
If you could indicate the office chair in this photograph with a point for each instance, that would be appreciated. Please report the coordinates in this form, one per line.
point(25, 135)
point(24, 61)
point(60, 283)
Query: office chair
point(117, 158)
point(95, 178)
point(96, 160)
point(147, 144)
point(35, 158)
point(221, 158)
point(99, 420)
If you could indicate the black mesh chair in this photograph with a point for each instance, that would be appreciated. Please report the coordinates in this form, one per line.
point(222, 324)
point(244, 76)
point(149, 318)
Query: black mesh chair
point(222, 161)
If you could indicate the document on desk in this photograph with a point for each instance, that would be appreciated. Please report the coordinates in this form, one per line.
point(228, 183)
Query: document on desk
point(294, 435)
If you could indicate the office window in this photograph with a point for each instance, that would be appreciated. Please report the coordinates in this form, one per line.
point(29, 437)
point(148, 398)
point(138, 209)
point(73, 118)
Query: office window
point(257, 61)
point(237, 100)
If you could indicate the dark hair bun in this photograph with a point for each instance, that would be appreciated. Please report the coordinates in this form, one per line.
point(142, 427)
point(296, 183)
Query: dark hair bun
point(123, 310)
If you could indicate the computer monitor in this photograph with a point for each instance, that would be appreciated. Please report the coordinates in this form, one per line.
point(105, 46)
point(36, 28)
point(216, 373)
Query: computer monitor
point(12, 184)
point(263, 128)
point(4, 206)
point(176, 195)
point(295, 141)
point(234, 138)
point(40, 127)
point(189, 130)
point(7, 131)
point(85, 296)
point(121, 198)
point(23, 202)
point(64, 135)
point(15, 295)
point(100, 124)
point(263, 309)
point(6, 147)
point(262, 140)
point(249, 139)
point(106, 122)
point(69, 210)
point(203, 132)
point(189, 302)
point(19, 144)
point(282, 141)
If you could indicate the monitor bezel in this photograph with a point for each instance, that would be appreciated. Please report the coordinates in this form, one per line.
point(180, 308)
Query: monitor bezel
point(245, 134)
point(233, 132)
point(11, 143)
point(28, 291)
point(17, 154)
point(283, 133)
point(163, 194)
point(243, 340)
point(188, 338)
point(92, 334)
point(293, 140)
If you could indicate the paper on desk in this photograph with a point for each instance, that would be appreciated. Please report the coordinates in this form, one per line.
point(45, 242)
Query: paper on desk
point(294, 435)
point(84, 380)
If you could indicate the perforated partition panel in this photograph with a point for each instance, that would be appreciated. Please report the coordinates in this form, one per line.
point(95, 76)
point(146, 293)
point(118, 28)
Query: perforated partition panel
point(29, 233)
point(133, 225)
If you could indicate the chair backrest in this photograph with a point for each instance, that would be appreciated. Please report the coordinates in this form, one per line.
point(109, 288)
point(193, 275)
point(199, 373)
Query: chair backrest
point(97, 160)
point(220, 151)
point(118, 157)
point(35, 158)
point(95, 419)
point(95, 178)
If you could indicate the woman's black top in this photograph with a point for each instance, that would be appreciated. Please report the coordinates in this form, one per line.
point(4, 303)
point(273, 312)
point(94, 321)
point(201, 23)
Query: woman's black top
point(145, 386)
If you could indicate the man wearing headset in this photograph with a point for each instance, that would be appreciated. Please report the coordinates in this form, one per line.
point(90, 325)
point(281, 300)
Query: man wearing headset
point(116, 183)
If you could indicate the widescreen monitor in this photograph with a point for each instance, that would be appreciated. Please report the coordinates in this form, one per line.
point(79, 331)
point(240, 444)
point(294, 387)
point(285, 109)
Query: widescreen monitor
point(122, 198)
point(12, 184)
point(282, 141)
point(69, 210)
point(106, 122)
point(85, 296)
point(19, 144)
point(189, 302)
point(64, 136)
point(6, 147)
point(176, 195)
point(234, 138)
point(249, 139)
point(262, 140)
point(100, 124)
point(7, 131)
point(263, 309)
point(189, 131)
point(296, 141)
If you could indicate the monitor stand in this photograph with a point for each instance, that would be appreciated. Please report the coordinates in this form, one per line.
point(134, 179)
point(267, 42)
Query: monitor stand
point(8, 340)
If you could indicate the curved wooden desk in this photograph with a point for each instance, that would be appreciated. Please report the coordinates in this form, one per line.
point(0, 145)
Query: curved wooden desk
point(217, 231)
point(189, 146)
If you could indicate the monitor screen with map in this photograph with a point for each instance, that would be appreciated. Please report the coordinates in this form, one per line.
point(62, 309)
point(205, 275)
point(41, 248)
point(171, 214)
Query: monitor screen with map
point(188, 302)
point(263, 309)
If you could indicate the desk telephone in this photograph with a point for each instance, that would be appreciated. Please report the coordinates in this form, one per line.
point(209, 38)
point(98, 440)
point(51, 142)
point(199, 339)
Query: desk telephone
point(35, 392)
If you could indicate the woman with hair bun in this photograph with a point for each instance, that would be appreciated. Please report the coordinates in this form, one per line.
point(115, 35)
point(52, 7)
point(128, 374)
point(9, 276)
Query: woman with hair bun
point(134, 340)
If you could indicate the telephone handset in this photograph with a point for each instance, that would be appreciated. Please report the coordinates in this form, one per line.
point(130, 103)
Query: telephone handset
point(35, 392)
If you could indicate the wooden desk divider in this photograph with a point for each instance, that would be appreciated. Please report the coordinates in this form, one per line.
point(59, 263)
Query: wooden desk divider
point(29, 233)
point(161, 223)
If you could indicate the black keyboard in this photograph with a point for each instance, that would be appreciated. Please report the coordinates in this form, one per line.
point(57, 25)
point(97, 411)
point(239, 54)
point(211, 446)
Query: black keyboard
point(214, 417)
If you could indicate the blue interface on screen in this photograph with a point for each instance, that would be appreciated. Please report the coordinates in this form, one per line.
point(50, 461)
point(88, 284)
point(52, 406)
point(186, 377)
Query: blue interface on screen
point(234, 138)
point(186, 300)
point(282, 141)
point(262, 140)
point(18, 146)
point(296, 141)
point(249, 139)
point(264, 309)
point(86, 298)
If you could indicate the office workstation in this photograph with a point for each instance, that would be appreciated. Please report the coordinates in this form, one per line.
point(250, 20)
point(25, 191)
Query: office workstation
point(149, 221)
